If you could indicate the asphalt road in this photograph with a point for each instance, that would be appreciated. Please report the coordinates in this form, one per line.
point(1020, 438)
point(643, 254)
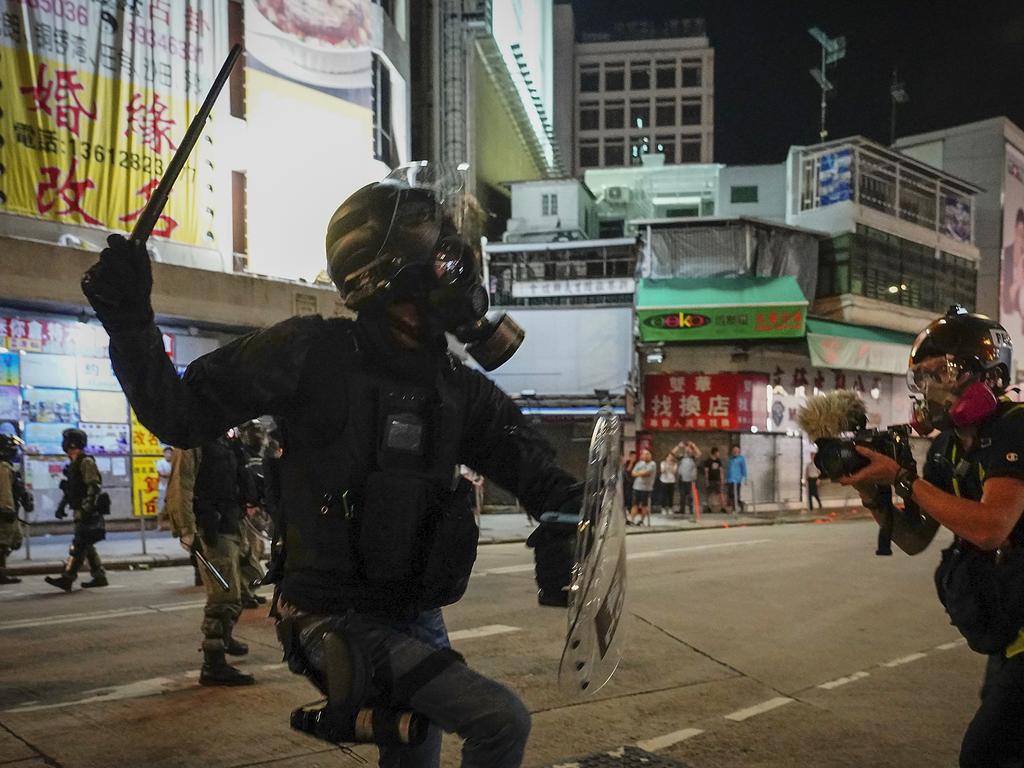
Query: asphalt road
point(771, 646)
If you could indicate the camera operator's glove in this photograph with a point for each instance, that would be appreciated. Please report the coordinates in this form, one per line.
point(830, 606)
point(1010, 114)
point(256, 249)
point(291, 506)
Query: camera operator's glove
point(554, 551)
point(119, 285)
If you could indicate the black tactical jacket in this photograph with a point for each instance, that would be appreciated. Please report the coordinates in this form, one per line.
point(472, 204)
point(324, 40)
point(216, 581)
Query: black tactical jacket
point(326, 381)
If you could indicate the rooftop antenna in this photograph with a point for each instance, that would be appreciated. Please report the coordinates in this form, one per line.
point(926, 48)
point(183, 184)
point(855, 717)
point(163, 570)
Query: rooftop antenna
point(832, 50)
point(898, 95)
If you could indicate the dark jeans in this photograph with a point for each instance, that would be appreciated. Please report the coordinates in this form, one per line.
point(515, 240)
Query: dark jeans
point(734, 497)
point(995, 737)
point(490, 718)
point(686, 497)
point(812, 493)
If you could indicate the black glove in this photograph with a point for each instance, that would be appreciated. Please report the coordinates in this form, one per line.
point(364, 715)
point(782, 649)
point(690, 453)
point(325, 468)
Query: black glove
point(554, 553)
point(119, 285)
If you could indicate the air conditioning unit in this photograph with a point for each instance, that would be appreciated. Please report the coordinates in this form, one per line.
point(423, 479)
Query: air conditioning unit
point(618, 194)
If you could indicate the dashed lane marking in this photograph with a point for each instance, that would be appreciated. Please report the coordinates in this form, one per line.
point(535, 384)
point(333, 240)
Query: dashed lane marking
point(156, 686)
point(950, 646)
point(833, 684)
point(485, 631)
point(118, 613)
point(525, 567)
point(660, 742)
point(904, 660)
point(758, 709)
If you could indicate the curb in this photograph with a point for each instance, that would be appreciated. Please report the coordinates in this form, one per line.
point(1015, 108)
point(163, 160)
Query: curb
point(164, 561)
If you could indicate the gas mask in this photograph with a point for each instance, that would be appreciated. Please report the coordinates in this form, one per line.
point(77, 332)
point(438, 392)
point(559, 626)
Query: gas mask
point(951, 395)
point(452, 299)
point(401, 240)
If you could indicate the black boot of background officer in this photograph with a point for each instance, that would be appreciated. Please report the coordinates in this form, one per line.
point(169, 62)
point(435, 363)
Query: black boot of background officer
point(12, 497)
point(204, 496)
point(82, 492)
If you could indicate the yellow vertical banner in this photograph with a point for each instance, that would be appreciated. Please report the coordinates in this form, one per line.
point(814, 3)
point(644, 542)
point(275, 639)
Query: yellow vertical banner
point(144, 442)
point(145, 486)
point(94, 102)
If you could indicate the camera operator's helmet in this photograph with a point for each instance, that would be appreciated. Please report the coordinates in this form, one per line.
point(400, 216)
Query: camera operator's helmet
point(958, 346)
point(73, 438)
point(9, 447)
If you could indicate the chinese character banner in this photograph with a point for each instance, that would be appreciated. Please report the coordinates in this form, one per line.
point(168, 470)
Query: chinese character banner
point(705, 401)
point(96, 95)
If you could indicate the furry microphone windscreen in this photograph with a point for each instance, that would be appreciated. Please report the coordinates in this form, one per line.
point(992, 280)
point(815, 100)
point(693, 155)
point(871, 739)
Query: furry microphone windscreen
point(832, 414)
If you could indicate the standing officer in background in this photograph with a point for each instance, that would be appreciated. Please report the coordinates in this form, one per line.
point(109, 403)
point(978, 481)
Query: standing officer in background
point(973, 484)
point(207, 493)
point(12, 496)
point(376, 416)
point(82, 486)
point(253, 525)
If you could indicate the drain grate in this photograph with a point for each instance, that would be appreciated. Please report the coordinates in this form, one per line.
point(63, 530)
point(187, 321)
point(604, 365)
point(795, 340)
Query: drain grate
point(624, 757)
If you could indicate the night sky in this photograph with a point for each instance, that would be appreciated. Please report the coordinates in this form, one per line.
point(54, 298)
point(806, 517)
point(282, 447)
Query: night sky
point(960, 62)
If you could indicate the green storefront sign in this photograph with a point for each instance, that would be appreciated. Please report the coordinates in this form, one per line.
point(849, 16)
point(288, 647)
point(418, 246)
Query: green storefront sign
point(716, 309)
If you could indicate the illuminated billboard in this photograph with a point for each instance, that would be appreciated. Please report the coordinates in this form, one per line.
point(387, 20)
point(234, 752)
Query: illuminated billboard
point(1011, 295)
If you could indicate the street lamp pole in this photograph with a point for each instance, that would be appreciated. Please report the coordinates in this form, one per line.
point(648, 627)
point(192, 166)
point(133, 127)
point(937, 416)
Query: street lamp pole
point(832, 50)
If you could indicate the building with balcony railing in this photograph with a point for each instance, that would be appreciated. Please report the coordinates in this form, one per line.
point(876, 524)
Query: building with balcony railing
point(902, 233)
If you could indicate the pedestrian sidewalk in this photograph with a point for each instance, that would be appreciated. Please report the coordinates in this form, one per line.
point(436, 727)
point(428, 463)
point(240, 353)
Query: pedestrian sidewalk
point(123, 550)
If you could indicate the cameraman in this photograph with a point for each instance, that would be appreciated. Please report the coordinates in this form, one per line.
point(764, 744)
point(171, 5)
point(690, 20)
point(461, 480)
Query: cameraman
point(973, 484)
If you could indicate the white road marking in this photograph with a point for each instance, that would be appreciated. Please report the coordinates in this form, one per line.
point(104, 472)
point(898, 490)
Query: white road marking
point(832, 684)
point(140, 688)
point(660, 742)
point(633, 556)
point(179, 581)
point(273, 667)
point(74, 618)
point(485, 631)
point(765, 706)
point(951, 646)
point(904, 660)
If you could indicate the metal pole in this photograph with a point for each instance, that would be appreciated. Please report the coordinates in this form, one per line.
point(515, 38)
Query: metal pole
point(142, 523)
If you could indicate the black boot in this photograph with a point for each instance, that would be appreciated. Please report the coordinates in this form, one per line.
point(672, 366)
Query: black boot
point(234, 647)
point(6, 578)
point(63, 581)
point(216, 671)
point(99, 580)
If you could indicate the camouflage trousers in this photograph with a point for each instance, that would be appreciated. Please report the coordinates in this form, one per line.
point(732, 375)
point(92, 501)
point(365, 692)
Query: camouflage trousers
point(10, 530)
point(222, 607)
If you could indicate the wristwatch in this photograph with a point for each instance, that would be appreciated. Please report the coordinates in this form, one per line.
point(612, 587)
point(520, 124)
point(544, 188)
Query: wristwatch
point(904, 485)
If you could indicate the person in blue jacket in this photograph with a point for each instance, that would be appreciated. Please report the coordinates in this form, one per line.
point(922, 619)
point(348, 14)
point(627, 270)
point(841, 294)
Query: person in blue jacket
point(735, 476)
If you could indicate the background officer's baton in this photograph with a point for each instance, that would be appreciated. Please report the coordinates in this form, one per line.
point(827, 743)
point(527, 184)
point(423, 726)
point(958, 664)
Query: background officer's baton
point(211, 570)
point(151, 214)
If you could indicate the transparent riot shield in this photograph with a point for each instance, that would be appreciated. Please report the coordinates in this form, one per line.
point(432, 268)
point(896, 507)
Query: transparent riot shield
point(597, 590)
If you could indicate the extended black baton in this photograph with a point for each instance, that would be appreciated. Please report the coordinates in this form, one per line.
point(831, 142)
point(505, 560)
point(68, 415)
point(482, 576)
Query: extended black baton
point(211, 569)
point(151, 214)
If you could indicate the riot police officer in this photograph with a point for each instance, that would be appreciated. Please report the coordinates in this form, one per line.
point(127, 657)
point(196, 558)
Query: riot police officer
point(82, 486)
point(207, 493)
point(12, 497)
point(376, 416)
point(253, 525)
point(973, 484)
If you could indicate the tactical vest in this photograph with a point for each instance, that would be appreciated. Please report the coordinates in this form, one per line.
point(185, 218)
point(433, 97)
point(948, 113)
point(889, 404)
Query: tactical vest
point(77, 489)
point(375, 516)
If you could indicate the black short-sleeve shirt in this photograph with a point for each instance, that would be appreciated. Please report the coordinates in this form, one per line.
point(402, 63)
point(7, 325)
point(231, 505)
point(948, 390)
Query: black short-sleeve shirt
point(999, 453)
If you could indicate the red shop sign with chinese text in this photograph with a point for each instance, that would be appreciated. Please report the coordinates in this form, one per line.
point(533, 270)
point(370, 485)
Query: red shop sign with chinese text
point(705, 401)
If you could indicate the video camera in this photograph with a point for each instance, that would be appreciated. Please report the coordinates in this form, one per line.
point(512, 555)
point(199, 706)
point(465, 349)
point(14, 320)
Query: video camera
point(837, 423)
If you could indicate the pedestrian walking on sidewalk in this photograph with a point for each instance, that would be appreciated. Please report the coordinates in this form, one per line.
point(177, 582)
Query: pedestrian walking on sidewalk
point(813, 475)
point(82, 486)
point(686, 473)
point(644, 472)
point(735, 476)
point(12, 497)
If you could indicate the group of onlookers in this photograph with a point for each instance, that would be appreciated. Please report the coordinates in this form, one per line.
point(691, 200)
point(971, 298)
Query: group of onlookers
point(648, 485)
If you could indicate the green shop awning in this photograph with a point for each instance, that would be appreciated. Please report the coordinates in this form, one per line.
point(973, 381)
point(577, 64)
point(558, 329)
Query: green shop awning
point(855, 347)
point(719, 308)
